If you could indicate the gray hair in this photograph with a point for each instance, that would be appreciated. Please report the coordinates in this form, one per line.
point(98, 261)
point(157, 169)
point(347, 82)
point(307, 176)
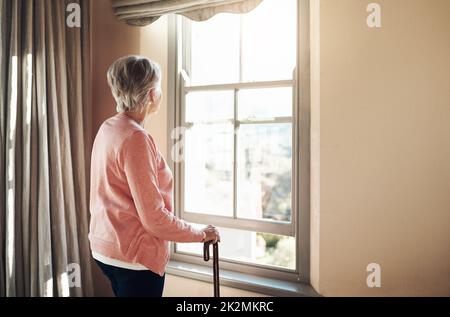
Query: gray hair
point(130, 79)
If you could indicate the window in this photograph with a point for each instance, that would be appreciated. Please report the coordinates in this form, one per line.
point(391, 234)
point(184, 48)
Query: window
point(236, 101)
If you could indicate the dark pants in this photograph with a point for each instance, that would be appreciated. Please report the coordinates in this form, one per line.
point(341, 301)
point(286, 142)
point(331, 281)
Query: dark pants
point(131, 283)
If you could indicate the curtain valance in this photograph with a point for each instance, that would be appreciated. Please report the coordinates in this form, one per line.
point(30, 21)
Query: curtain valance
point(144, 12)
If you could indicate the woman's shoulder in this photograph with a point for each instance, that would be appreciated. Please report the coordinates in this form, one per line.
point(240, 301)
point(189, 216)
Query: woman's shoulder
point(140, 140)
point(125, 129)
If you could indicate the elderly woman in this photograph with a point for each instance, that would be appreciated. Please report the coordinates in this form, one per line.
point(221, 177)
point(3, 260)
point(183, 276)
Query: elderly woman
point(132, 220)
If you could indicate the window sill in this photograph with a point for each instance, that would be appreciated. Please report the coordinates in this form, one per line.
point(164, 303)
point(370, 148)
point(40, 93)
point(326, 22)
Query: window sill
point(267, 286)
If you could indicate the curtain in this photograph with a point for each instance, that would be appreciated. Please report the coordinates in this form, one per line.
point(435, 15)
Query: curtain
point(43, 197)
point(144, 12)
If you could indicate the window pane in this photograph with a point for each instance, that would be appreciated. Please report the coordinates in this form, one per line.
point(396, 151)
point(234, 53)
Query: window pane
point(215, 50)
point(265, 103)
point(208, 184)
point(209, 106)
point(269, 41)
point(252, 247)
point(264, 171)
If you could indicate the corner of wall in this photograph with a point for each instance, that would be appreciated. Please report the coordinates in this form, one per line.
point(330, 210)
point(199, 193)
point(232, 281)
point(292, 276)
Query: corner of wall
point(315, 144)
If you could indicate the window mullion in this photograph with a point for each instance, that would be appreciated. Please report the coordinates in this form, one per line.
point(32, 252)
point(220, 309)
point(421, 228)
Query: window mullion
point(241, 20)
point(187, 39)
point(255, 225)
point(236, 125)
point(242, 85)
point(235, 140)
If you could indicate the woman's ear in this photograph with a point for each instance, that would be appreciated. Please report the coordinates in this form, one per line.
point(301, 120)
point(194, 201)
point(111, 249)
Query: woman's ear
point(152, 95)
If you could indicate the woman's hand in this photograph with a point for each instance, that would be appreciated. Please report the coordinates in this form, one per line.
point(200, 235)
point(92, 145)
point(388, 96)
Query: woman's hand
point(211, 234)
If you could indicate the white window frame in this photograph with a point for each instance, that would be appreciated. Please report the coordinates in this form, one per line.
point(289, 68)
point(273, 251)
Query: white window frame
point(178, 86)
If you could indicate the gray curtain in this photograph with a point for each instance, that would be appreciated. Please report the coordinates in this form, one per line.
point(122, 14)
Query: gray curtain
point(144, 12)
point(43, 203)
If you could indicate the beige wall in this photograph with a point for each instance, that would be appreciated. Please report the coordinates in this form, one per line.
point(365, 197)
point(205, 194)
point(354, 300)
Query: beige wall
point(111, 39)
point(181, 287)
point(381, 128)
point(154, 44)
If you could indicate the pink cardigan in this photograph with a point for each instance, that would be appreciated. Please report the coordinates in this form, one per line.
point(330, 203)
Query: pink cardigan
point(131, 198)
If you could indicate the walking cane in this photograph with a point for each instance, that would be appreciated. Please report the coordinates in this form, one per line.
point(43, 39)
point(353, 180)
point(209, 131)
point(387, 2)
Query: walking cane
point(215, 264)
